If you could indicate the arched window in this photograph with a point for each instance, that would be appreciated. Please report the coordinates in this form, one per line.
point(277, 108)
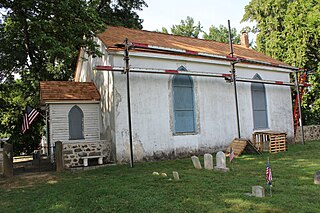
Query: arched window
point(183, 103)
point(75, 123)
point(259, 104)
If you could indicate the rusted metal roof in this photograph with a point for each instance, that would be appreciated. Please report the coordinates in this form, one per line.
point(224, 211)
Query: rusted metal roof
point(68, 91)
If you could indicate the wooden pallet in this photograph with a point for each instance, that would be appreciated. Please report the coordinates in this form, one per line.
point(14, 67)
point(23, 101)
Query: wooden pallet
point(238, 146)
point(277, 143)
point(270, 141)
point(251, 149)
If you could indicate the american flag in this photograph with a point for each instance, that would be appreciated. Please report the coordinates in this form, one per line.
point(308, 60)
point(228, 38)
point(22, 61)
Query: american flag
point(268, 175)
point(231, 156)
point(28, 118)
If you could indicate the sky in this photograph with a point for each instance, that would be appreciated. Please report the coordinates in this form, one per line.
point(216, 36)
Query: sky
point(165, 13)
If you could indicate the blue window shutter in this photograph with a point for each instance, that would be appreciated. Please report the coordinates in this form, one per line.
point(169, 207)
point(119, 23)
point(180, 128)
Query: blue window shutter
point(259, 105)
point(75, 123)
point(183, 104)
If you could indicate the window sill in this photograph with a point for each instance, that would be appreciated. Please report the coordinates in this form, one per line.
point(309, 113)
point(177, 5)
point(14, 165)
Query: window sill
point(185, 133)
point(261, 130)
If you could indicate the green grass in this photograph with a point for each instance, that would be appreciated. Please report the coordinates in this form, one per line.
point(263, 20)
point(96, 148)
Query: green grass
point(124, 189)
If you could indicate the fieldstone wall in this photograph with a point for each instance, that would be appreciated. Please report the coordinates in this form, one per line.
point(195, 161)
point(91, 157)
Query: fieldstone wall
point(311, 133)
point(72, 152)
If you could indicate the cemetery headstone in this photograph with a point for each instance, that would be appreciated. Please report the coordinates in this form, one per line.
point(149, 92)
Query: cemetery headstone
point(208, 161)
point(7, 160)
point(196, 162)
point(176, 175)
point(317, 178)
point(258, 191)
point(221, 162)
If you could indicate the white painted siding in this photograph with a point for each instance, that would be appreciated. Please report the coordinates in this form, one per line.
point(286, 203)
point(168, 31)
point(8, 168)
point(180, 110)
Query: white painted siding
point(59, 124)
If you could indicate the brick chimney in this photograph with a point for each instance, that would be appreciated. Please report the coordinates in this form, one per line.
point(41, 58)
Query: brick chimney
point(244, 40)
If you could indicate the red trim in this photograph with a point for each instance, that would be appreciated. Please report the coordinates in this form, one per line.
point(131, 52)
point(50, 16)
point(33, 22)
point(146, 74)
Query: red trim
point(306, 85)
point(231, 58)
point(192, 52)
point(109, 68)
point(273, 64)
point(171, 71)
point(140, 45)
point(279, 82)
point(226, 75)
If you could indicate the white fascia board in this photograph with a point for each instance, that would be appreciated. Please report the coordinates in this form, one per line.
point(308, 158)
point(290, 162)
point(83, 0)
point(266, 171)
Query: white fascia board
point(201, 60)
point(72, 102)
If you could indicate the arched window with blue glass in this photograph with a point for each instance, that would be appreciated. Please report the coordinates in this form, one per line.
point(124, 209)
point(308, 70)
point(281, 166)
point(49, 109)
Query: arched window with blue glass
point(259, 104)
point(75, 123)
point(183, 103)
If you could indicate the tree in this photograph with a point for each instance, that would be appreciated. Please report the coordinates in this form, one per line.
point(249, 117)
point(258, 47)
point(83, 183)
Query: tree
point(163, 30)
point(289, 31)
point(189, 29)
point(13, 103)
point(40, 40)
point(121, 12)
point(185, 28)
point(221, 34)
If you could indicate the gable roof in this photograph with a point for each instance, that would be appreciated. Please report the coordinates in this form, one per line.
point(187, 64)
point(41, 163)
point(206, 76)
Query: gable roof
point(116, 35)
point(67, 90)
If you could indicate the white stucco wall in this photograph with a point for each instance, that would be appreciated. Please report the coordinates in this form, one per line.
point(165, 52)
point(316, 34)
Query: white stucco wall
point(152, 116)
point(151, 105)
point(103, 80)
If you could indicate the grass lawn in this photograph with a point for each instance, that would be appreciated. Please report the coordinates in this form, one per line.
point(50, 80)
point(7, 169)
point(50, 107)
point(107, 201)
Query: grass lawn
point(123, 189)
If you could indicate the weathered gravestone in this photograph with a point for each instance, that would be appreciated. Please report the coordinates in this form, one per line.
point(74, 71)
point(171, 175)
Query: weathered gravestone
point(221, 162)
point(176, 175)
point(7, 160)
point(258, 191)
point(317, 178)
point(208, 162)
point(196, 162)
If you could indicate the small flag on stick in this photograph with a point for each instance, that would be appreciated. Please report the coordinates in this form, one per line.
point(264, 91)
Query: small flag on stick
point(28, 118)
point(268, 174)
point(231, 156)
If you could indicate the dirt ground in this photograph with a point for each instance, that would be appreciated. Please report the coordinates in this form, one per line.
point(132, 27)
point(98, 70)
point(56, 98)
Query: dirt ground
point(27, 180)
point(29, 172)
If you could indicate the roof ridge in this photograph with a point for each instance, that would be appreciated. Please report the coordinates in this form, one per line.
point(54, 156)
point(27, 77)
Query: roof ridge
point(187, 37)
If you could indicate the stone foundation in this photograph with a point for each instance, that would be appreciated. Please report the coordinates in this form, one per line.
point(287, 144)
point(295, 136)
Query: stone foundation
point(311, 133)
point(72, 152)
